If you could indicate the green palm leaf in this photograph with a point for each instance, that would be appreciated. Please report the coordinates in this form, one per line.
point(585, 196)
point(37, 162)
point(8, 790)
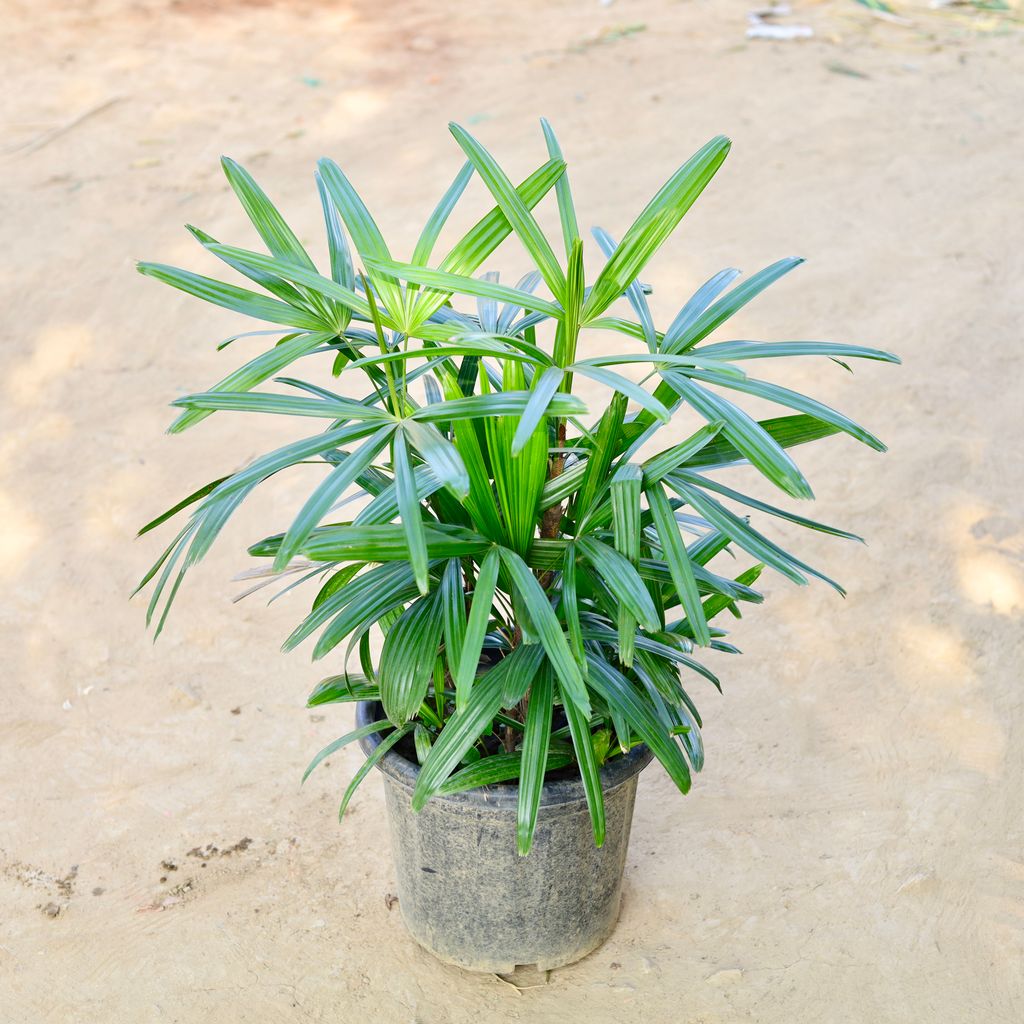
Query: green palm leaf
point(465, 727)
point(266, 219)
point(380, 544)
point(621, 579)
point(432, 229)
point(544, 387)
point(369, 242)
point(678, 561)
point(760, 449)
point(566, 209)
point(409, 508)
point(657, 221)
point(491, 230)
point(626, 519)
point(745, 536)
point(230, 296)
point(785, 431)
point(590, 770)
point(686, 335)
point(534, 758)
point(626, 387)
point(497, 768)
point(271, 282)
point(660, 465)
point(378, 754)
point(333, 486)
point(453, 604)
point(342, 270)
point(616, 689)
point(516, 211)
point(738, 350)
point(450, 284)
point(518, 477)
point(794, 400)
point(549, 631)
point(281, 405)
point(314, 282)
point(407, 658)
point(344, 741)
point(476, 627)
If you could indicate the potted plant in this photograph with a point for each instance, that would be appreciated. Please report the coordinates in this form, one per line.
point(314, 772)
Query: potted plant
point(541, 574)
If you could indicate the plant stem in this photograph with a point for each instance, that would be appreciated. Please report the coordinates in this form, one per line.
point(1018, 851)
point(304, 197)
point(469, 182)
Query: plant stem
point(552, 517)
point(382, 344)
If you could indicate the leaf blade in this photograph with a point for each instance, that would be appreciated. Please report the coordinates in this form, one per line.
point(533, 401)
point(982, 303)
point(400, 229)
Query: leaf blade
point(549, 631)
point(407, 658)
point(238, 300)
point(516, 211)
point(678, 561)
point(566, 209)
point(265, 217)
point(536, 743)
point(432, 229)
point(476, 627)
point(329, 490)
point(409, 509)
point(654, 224)
point(545, 385)
point(590, 772)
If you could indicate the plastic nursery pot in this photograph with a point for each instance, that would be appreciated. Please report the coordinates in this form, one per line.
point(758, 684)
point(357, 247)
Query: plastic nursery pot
point(471, 900)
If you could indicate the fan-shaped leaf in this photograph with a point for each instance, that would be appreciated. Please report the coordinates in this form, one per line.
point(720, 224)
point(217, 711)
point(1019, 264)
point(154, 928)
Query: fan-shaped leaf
point(476, 627)
point(549, 631)
point(407, 658)
point(534, 758)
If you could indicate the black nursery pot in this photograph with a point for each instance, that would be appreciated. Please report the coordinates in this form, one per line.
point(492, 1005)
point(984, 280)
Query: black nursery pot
point(471, 900)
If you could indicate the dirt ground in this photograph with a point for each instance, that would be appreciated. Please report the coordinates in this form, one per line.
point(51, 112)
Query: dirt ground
point(854, 850)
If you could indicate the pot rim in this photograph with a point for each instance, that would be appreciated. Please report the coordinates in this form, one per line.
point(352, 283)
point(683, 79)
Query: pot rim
point(503, 796)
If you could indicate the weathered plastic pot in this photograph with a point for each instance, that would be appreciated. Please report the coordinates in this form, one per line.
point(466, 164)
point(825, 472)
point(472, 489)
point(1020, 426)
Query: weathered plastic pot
point(471, 900)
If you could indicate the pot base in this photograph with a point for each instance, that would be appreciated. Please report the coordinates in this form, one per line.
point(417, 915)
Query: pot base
point(479, 966)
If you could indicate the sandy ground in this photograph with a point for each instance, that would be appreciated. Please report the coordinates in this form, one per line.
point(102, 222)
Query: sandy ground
point(853, 851)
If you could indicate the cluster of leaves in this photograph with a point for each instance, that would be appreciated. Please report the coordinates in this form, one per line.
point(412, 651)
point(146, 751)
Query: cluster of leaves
point(528, 568)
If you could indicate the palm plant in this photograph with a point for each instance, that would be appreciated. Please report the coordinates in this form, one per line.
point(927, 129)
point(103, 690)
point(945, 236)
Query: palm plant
point(525, 562)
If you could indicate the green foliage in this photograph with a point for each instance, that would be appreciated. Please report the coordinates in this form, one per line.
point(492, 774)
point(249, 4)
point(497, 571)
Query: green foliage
point(540, 574)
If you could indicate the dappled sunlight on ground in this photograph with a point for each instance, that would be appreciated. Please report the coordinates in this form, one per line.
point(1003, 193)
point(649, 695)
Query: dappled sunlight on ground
point(994, 580)
point(356, 109)
point(990, 557)
point(55, 352)
point(933, 657)
point(19, 537)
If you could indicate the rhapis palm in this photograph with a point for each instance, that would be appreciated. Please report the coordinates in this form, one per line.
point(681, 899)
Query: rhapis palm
point(540, 581)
